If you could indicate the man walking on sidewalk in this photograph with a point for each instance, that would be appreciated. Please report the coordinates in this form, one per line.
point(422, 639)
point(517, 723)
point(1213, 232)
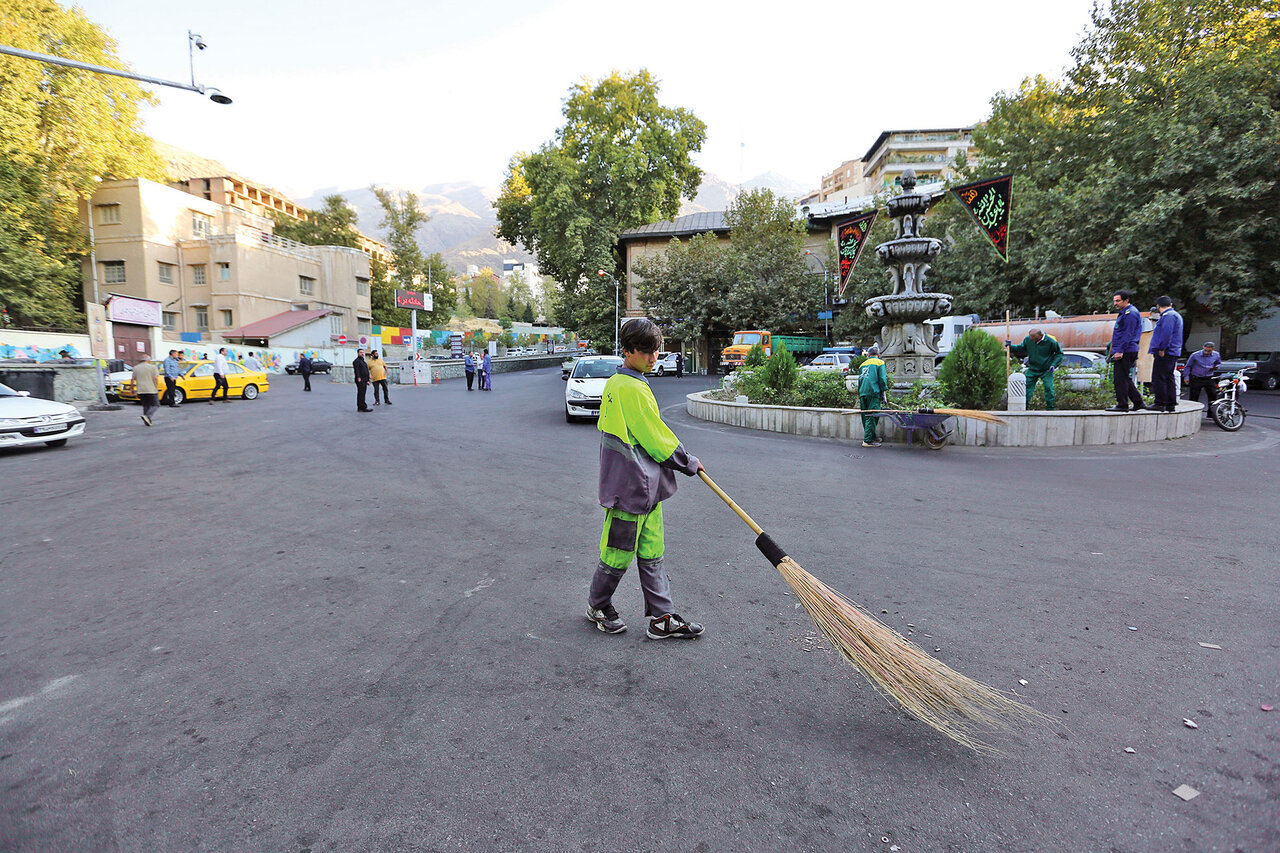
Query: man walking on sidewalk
point(145, 378)
point(304, 367)
point(172, 371)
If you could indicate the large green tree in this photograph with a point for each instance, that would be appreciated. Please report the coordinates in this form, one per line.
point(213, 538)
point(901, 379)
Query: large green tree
point(757, 279)
point(621, 159)
point(62, 130)
point(402, 216)
point(1152, 165)
point(332, 225)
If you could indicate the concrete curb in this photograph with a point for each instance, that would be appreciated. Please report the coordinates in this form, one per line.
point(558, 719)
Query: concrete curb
point(1025, 429)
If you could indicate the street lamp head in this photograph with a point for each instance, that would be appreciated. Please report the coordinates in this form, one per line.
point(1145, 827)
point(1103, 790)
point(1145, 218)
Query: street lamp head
point(216, 96)
point(601, 272)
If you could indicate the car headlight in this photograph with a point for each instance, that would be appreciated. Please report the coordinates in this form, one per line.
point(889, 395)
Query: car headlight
point(576, 395)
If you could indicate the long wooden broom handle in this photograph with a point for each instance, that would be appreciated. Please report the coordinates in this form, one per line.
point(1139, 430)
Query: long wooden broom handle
point(757, 529)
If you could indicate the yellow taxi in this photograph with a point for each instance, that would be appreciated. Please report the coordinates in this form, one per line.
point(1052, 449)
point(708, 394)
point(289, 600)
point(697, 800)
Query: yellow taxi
point(196, 382)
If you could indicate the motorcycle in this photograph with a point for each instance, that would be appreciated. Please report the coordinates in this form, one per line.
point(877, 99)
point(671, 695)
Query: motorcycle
point(1227, 411)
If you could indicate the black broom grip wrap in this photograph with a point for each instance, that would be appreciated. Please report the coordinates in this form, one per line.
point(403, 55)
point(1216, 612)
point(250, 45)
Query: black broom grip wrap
point(772, 552)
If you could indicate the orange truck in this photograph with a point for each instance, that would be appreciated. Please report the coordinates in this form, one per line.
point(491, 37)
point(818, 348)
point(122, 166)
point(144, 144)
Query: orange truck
point(798, 345)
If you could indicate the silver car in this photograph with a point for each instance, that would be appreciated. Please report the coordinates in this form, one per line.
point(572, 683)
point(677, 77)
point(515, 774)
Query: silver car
point(27, 420)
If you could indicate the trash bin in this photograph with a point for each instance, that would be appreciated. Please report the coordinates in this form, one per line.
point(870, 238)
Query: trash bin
point(39, 381)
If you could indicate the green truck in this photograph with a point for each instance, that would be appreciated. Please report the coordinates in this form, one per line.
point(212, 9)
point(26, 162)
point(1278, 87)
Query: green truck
point(798, 345)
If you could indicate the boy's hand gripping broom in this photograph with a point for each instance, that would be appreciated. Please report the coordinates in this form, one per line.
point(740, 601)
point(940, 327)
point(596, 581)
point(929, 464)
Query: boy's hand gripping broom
point(927, 689)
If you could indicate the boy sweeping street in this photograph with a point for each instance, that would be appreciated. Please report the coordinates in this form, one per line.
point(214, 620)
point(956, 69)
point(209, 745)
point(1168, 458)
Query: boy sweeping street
point(639, 456)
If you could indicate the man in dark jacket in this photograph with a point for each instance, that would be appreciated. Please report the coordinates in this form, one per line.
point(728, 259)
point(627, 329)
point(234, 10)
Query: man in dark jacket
point(1124, 352)
point(304, 367)
point(361, 372)
point(1166, 346)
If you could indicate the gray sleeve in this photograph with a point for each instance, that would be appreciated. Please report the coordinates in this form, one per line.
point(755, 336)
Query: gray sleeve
point(681, 460)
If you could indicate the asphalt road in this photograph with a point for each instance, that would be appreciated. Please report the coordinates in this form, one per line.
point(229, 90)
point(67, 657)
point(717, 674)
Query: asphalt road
point(281, 625)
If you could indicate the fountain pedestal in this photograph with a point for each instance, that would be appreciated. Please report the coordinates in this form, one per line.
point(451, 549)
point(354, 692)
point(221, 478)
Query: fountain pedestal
point(906, 343)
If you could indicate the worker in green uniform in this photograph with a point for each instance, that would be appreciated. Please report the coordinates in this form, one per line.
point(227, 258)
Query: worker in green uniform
point(1043, 356)
point(873, 382)
point(639, 457)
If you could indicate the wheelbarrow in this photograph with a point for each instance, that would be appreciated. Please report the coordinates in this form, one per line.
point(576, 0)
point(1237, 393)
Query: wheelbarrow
point(931, 426)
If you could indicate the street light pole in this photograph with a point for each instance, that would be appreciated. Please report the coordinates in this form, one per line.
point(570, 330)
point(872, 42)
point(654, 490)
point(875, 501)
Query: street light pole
point(826, 300)
point(193, 41)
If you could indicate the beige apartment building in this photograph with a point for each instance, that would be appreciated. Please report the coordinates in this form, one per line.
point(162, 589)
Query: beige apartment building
point(214, 266)
point(931, 153)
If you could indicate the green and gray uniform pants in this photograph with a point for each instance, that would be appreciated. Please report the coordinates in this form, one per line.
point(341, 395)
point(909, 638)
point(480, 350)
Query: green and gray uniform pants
point(869, 401)
point(1050, 398)
point(626, 537)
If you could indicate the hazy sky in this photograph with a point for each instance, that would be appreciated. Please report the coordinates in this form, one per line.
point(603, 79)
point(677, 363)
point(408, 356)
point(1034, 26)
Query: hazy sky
point(344, 94)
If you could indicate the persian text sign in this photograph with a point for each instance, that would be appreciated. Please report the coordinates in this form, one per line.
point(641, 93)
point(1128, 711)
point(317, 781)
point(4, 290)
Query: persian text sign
point(851, 236)
point(413, 299)
point(989, 203)
point(127, 309)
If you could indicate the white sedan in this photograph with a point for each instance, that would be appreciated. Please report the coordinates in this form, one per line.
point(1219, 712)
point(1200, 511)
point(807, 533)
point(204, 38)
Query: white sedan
point(829, 362)
point(586, 386)
point(27, 420)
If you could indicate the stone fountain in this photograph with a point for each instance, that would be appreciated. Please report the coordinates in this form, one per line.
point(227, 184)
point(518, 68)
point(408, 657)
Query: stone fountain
point(906, 343)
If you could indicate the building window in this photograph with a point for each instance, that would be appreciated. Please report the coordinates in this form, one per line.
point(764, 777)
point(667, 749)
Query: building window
point(362, 286)
point(198, 275)
point(170, 320)
point(226, 319)
point(108, 214)
point(202, 319)
point(335, 324)
point(224, 272)
point(364, 327)
point(306, 285)
point(113, 272)
point(166, 273)
point(201, 224)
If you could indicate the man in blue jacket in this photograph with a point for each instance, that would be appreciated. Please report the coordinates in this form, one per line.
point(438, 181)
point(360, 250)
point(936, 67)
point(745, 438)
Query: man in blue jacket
point(1124, 352)
point(1166, 346)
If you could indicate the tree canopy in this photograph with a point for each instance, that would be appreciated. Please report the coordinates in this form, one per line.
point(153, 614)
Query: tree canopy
point(61, 131)
point(1152, 165)
point(621, 159)
point(332, 225)
point(402, 215)
point(757, 279)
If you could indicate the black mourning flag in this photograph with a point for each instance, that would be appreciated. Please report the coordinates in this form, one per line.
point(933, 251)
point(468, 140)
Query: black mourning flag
point(989, 202)
point(851, 236)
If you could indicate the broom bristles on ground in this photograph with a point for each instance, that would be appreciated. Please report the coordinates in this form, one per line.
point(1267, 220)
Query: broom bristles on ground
point(927, 689)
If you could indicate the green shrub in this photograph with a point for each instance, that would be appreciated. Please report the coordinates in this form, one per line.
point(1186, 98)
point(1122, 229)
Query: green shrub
point(924, 395)
point(973, 374)
point(755, 357)
point(780, 371)
point(823, 389)
point(855, 363)
point(1097, 396)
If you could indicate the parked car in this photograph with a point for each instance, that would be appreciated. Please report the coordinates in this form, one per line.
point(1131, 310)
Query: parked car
point(1084, 369)
point(196, 382)
point(585, 386)
point(665, 365)
point(566, 366)
point(318, 365)
point(829, 362)
point(27, 420)
point(112, 381)
point(1263, 367)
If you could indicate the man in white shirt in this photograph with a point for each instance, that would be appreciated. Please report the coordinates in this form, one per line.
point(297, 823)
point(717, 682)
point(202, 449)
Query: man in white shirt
point(219, 375)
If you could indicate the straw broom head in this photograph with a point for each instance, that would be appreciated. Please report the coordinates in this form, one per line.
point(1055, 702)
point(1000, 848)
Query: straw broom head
point(927, 689)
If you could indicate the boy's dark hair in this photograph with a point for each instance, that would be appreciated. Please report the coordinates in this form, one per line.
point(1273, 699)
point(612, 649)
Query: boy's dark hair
point(640, 335)
point(1126, 295)
point(1164, 302)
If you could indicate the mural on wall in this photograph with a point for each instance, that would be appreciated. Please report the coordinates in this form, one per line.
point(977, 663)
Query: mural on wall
point(40, 355)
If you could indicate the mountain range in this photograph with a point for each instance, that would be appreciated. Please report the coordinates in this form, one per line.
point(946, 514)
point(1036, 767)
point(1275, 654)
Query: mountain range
point(463, 220)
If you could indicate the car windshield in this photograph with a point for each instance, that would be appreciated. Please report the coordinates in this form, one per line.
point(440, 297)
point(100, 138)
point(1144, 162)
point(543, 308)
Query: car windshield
point(746, 339)
point(596, 368)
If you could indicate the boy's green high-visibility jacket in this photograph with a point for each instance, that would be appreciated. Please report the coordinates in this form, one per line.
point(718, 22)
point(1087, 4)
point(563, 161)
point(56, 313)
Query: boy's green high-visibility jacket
point(873, 379)
point(1043, 357)
point(639, 454)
